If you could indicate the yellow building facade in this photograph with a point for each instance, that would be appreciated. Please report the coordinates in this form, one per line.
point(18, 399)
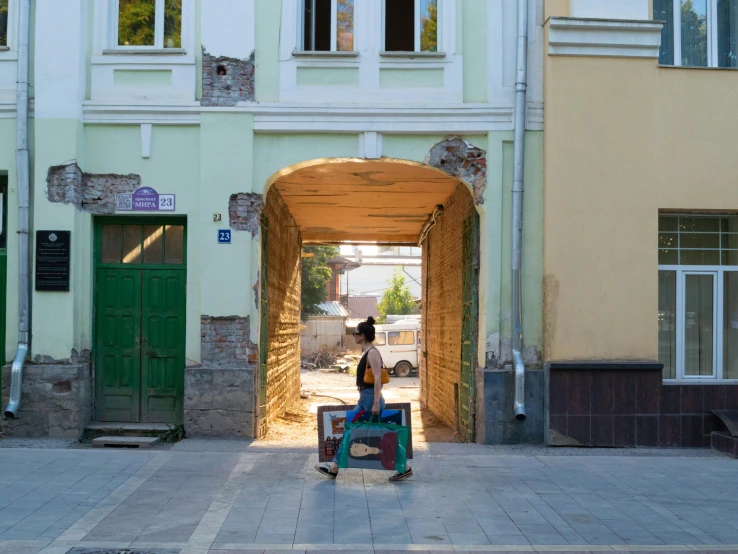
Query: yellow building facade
point(639, 221)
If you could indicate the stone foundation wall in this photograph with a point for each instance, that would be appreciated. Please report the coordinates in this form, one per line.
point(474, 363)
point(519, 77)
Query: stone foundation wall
point(219, 393)
point(56, 401)
point(284, 282)
point(441, 346)
point(219, 402)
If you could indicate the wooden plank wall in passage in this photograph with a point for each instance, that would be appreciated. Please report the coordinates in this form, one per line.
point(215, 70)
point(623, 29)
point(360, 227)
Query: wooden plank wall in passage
point(283, 280)
point(442, 294)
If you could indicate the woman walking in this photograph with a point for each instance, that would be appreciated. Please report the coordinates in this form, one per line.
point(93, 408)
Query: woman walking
point(370, 396)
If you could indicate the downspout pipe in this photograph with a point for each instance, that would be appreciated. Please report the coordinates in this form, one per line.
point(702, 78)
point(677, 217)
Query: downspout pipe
point(521, 89)
point(22, 165)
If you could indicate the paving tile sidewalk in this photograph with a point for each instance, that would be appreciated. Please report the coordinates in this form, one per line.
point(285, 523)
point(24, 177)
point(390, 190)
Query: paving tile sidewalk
point(218, 496)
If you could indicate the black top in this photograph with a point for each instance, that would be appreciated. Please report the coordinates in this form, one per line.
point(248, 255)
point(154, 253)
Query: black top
point(361, 370)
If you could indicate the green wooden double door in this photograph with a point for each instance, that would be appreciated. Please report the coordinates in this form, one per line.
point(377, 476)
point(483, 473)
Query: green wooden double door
point(140, 300)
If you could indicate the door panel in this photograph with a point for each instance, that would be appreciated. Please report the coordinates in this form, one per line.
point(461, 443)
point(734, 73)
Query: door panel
point(163, 337)
point(118, 357)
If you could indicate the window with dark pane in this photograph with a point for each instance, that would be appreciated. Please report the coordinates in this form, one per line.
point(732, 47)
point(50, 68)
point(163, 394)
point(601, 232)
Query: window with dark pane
point(399, 30)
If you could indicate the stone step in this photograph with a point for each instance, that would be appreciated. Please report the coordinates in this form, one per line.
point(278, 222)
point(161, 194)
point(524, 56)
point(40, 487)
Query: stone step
point(126, 429)
point(125, 442)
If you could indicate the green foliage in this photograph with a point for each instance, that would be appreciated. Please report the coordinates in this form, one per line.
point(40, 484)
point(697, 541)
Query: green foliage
point(175, 433)
point(3, 22)
point(694, 36)
point(136, 23)
point(429, 34)
point(397, 299)
point(315, 277)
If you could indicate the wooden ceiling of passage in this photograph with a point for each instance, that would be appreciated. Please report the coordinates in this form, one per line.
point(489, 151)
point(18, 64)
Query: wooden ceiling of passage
point(364, 200)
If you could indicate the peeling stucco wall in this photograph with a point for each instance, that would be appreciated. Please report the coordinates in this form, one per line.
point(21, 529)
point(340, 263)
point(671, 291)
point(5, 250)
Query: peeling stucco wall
point(244, 212)
point(461, 159)
point(227, 81)
point(93, 193)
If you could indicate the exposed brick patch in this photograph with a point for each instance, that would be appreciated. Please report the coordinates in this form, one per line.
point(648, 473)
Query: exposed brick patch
point(225, 342)
point(244, 212)
point(227, 81)
point(459, 158)
point(87, 192)
point(442, 313)
point(284, 287)
point(64, 184)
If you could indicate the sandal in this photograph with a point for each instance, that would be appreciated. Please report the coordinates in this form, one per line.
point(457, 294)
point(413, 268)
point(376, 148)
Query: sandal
point(402, 476)
point(324, 470)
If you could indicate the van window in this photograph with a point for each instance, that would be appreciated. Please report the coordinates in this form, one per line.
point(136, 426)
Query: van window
point(401, 338)
point(380, 339)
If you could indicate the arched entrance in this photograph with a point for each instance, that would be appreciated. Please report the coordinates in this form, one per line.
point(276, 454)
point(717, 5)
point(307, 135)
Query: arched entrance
point(387, 201)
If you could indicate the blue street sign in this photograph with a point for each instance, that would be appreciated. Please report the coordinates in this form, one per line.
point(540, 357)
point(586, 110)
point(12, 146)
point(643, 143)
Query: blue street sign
point(224, 236)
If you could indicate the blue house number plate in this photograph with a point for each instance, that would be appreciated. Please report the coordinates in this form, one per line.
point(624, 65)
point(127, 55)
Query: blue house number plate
point(224, 236)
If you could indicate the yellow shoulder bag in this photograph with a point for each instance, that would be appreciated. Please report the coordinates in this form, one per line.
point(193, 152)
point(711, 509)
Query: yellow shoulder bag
point(369, 374)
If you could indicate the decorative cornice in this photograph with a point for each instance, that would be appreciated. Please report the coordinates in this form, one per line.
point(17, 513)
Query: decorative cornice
point(8, 111)
point(286, 118)
point(134, 114)
point(569, 36)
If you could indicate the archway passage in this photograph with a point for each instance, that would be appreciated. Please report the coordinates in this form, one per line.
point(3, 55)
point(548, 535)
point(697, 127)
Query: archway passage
point(364, 201)
point(384, 202)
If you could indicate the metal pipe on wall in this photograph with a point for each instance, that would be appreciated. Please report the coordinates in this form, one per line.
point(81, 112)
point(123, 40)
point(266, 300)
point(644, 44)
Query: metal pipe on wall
point(23, 174)
point(521, 89)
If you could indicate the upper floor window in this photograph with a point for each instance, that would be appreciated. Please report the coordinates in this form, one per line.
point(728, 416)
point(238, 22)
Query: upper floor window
point(411, 25)
point(698, 33)
point(328, 25)
point(149, 23)
point(3, 22)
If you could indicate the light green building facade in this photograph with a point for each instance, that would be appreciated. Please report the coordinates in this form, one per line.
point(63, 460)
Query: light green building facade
point(107, 119)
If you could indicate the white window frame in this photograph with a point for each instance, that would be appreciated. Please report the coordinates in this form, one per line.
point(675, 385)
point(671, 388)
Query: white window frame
point(334, 29)
point(114, 7)
point(718, 316)
point(418, 32)
point(9, 51)
point(712, 33)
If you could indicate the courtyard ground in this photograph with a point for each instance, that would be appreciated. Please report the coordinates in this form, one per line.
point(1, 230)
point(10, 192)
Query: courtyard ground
point(298, 427)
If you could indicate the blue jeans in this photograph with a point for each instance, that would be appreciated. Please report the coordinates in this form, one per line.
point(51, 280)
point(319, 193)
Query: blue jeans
point(366, 403)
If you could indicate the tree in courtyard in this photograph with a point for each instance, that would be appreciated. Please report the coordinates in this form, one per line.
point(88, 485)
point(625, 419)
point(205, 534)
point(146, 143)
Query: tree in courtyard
point(397, 299)
point(315, 277)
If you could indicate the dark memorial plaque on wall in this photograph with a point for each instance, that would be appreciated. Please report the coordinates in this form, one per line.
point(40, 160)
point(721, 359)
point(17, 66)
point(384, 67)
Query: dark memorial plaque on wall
point(53, 249)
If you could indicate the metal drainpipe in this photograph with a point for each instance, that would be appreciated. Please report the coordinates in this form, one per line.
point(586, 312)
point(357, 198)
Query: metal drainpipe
point(521, 86)
point(23, 171)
